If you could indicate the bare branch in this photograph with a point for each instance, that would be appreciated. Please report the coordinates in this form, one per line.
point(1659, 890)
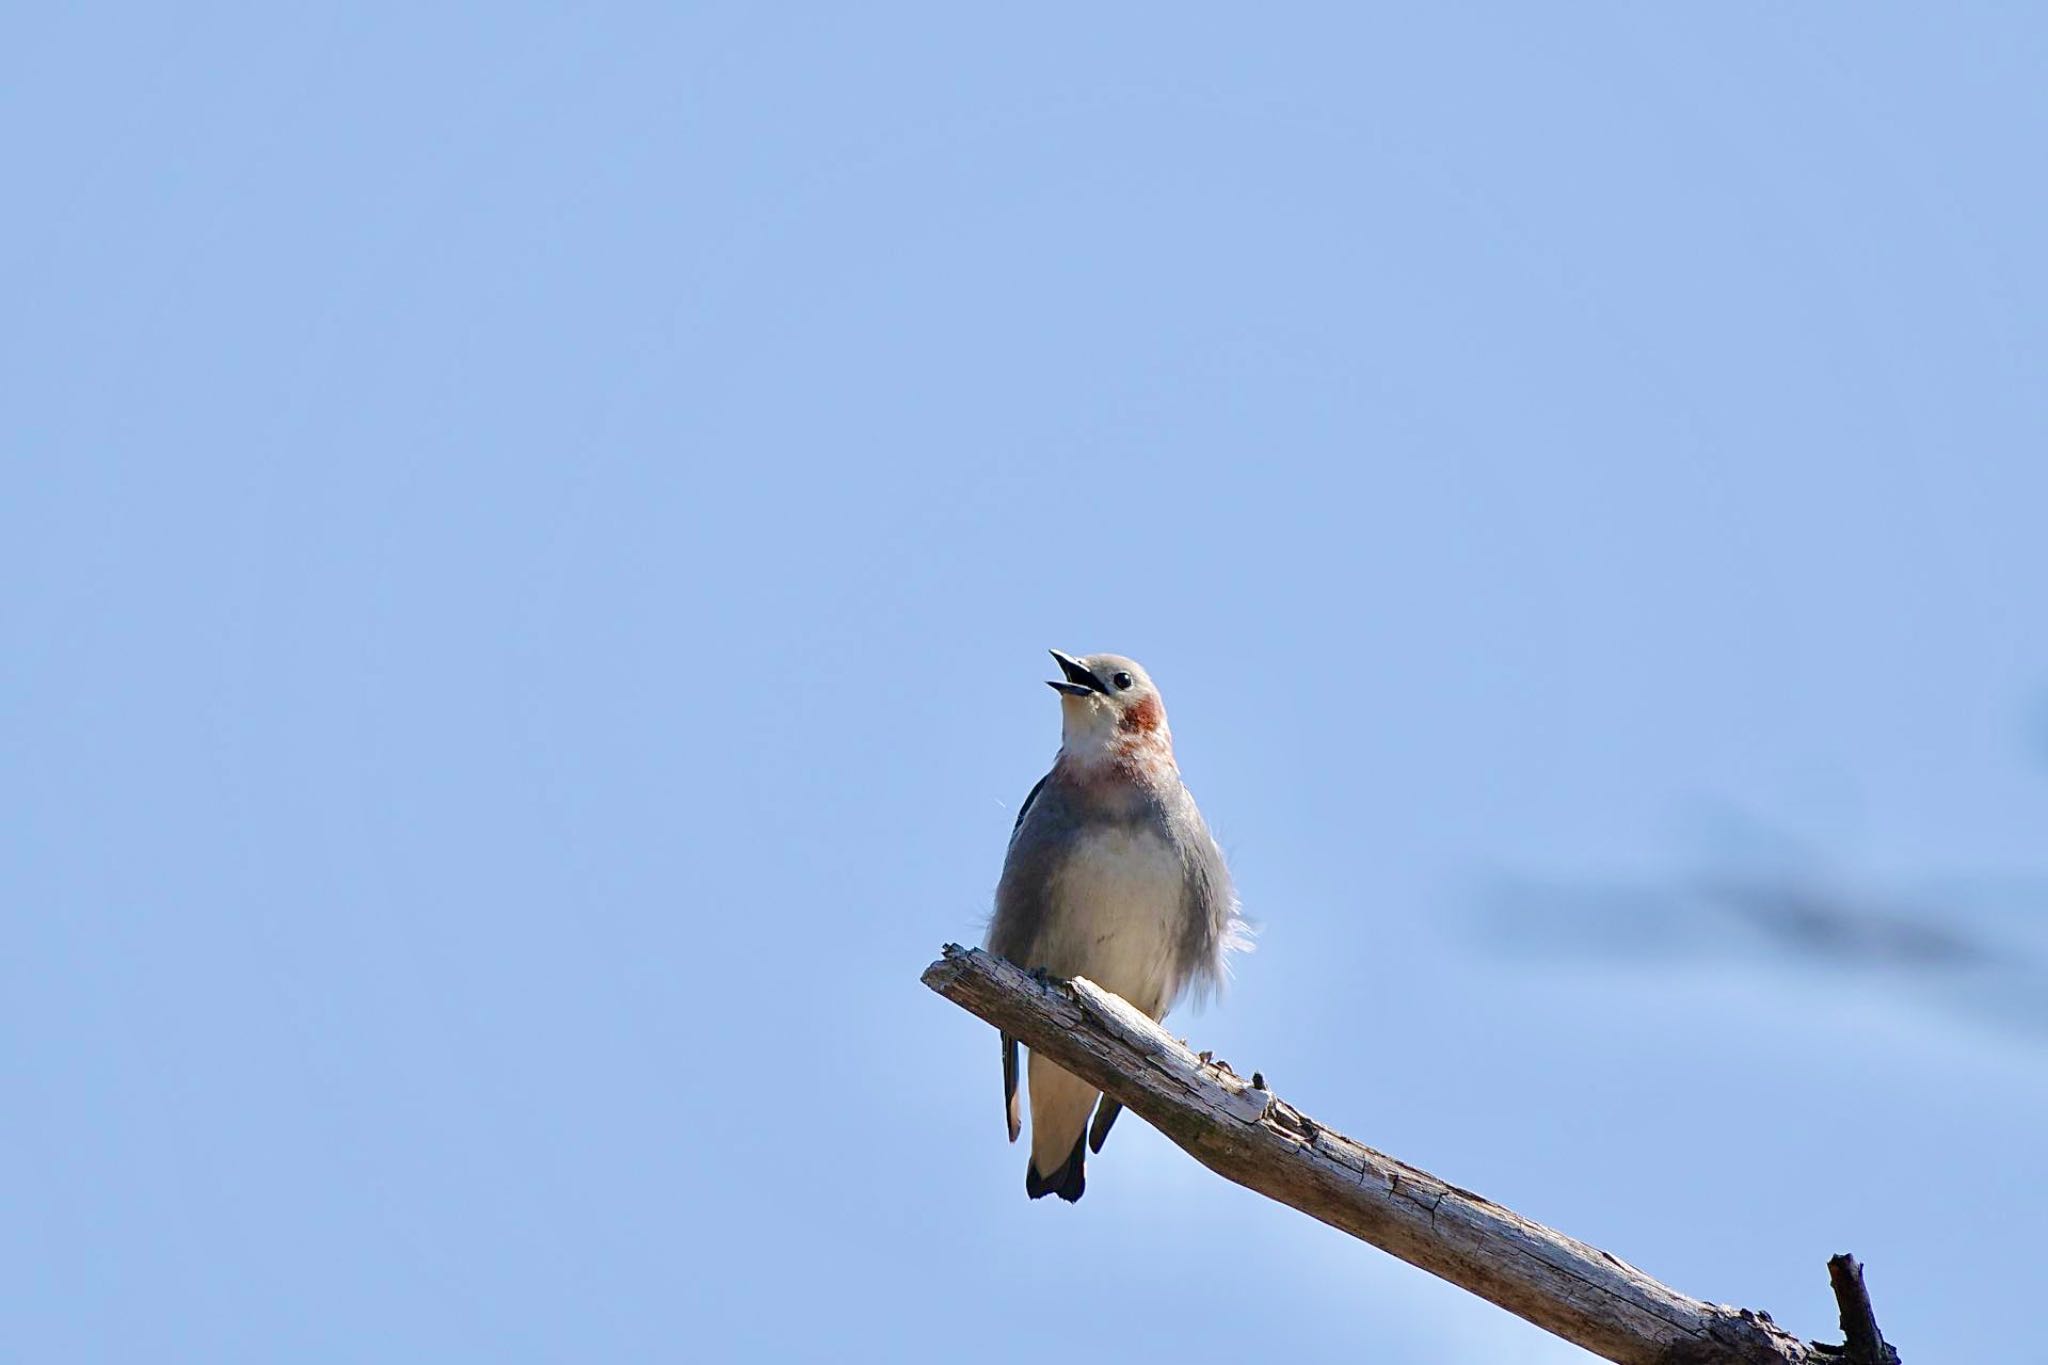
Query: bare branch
point(1244, 1133)
point(1865, 1344)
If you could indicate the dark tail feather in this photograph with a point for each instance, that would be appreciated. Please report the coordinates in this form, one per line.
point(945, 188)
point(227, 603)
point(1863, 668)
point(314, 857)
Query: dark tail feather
point(1010, 1087)
point(1068, 1182)
point(1105, 1114)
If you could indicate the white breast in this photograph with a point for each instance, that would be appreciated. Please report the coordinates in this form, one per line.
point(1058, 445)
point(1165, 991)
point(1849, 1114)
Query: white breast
point(1116, 913)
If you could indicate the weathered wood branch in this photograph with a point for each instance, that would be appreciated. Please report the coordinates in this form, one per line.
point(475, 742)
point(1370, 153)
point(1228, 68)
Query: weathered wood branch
point(1863, 1344)
point(1243, 1132)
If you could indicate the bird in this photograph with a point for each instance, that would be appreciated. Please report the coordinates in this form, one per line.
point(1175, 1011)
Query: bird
point(1111, 874)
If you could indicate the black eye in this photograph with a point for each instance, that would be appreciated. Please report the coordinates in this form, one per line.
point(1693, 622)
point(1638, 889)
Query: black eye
point(1122, 681)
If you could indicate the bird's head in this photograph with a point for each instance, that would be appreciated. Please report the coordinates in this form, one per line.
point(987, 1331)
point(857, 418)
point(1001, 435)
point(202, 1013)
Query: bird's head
point(1109, 710)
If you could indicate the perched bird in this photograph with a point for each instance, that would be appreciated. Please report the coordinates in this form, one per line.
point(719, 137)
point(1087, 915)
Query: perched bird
point(1111, 875)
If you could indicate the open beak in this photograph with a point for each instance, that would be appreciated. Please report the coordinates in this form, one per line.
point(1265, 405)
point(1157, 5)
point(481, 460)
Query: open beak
point(1080, 682)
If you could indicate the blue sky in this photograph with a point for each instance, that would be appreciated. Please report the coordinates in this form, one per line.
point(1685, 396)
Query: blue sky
point(529, 541)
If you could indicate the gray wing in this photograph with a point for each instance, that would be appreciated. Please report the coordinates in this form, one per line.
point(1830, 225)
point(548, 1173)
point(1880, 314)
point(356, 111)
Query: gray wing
point(1011, 934)
point(1208, 904)
point(1037, 843)
point(1011, 1118)
point(1025, 809)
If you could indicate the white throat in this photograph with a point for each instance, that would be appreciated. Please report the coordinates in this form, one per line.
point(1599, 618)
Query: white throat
point(1087, 730)
point(1090, 736)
